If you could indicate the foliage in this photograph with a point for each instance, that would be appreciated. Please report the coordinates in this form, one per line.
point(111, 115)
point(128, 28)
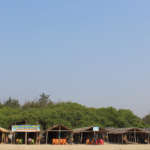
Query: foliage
point(146, 120)
point(47, 113)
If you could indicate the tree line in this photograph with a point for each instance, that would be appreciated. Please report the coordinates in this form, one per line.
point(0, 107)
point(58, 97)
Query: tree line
point(47, 113)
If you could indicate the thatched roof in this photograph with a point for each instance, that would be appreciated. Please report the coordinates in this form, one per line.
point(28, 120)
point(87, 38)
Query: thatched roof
point(78, 130)
point(126, 130)
point(147, 129)
point(4, 130)
point(59, 127)
point(86, 129)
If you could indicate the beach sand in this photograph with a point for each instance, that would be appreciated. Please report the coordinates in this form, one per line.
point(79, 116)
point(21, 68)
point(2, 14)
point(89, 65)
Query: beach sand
point(75, 147)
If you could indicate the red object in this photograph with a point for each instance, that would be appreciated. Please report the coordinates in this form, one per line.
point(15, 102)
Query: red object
point(97, 142)
point(101, 141)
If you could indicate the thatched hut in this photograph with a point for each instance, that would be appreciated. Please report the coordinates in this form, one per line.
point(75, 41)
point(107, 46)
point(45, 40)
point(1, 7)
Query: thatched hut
point(88, 135)
point(26, 134)
point(58, 134)
point(128, 135)
point(4, 135)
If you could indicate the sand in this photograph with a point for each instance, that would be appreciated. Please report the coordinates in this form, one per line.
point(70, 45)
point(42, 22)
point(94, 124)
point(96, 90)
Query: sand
point(75, 147)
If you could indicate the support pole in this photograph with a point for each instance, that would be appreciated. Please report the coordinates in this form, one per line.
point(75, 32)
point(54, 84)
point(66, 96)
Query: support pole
point(11, 139)
point(134, 135)
point(35, 138)
point(81, 137)
point(59, 134)
point(71, 137)
point(39, 138)
point(26, 138)
point(107, 138)
point(2, 137)
point(14, 138)
point(46, 136)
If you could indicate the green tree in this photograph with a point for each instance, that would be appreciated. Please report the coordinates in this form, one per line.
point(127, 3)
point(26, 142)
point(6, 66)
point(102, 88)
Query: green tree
point(12, 103)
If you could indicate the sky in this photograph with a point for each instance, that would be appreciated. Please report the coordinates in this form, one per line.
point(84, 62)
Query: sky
point(96, 53)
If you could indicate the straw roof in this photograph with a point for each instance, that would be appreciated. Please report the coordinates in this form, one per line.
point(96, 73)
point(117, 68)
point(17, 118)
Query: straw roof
point(57, 127)
point(78, 130)
point(4, 130)
point(86, 129)
point(126, 130)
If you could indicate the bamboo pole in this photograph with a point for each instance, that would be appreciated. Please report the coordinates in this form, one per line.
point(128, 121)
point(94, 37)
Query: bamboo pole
point(39, 138)
point(107, 138)
point(59, 134)
point(46, 136)
point(2, 137)
point(26, 138)
point(81, 137)
point(35, 138)
point(134, 135)
point(14, 138)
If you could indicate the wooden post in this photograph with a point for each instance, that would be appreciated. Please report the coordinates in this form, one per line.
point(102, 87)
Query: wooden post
point(135, 135)
point(46, 136)
point(59, 134)
point(6, 138)
point(107, 138)
point(122, 138)
point(81, 137)
point(14, 138)
point(71, 137)
point(2, 137)
point(148, 138)
point(94, 137)
point(26, 137)
point(36, 138)
point(39, 138)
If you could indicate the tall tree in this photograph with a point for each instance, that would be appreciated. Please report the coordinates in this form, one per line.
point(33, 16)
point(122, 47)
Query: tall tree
point(12, 103)
point(44, 100)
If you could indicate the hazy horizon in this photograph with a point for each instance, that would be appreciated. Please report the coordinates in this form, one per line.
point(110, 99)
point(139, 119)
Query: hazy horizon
point(94, 53)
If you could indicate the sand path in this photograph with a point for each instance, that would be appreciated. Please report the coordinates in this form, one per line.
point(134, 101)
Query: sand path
point(75, 147)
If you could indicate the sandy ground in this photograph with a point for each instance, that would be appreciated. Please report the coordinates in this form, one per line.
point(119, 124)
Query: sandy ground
point(75, 147)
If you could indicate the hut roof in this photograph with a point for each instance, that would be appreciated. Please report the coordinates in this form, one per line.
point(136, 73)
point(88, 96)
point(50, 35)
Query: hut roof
point(126, 130)
point(78, 130)
point(59, 127)
point(86, 129)
point(4, 130)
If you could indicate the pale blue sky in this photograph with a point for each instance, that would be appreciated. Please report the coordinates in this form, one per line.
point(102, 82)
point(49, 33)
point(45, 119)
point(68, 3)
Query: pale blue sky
point(96, 53)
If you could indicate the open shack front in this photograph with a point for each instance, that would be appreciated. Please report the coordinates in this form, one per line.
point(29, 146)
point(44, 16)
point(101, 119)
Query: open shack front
point(89, 135)
point(58, 134)
point(26, 134)
point(129, 136)
point(3, 135)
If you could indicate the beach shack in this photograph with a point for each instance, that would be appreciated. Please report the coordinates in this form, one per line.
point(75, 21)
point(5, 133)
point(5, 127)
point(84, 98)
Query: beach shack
point(58, 134)
point(4, 135)
point(129, 135)
point(26, 134)
point(89, 135)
